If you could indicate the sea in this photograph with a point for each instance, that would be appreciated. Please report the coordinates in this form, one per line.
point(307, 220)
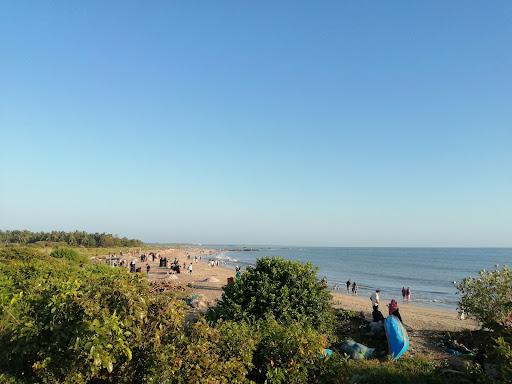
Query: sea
point(431, 273)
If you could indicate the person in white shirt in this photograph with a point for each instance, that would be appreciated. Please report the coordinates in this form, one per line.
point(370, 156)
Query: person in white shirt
point(375, 299)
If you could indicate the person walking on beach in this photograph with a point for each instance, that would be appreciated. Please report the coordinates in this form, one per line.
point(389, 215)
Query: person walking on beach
point(375, 299)
point(348, 286)
point(354, 288)
point(408, 293)
point(404, 293)
point(190, 268)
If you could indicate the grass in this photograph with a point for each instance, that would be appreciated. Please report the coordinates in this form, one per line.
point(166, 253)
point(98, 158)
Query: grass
point(414, 370)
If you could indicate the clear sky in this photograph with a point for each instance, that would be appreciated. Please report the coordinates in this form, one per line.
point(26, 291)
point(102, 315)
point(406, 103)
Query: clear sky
point(360, 123)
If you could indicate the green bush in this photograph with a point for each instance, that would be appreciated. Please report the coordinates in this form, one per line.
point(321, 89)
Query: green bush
point(288, 352)
point(68, 254)
point(208, 355)
point(65, 323)
point(287, 290)
point(503, 355)
point(15, 253)
point(488, 297)
point(61, 323)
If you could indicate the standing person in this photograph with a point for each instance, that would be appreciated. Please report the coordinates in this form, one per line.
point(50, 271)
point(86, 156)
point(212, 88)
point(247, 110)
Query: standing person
point(348, 286)
point(393, 309)
point(408, 293)
point(375, 299)
point(148, 267)
point(190, 268)
point(404, 293)
point(354, 288)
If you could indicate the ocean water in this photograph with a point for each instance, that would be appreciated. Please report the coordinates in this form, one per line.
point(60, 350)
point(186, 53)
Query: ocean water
point(429, 272)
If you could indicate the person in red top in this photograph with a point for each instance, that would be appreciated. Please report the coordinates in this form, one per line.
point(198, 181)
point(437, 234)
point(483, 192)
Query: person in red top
point(393, 309)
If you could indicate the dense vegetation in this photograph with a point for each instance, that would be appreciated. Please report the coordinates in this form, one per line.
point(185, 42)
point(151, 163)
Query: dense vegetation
point(76, 238)
point(285, 289)
point(488, 298)
point(64, 319)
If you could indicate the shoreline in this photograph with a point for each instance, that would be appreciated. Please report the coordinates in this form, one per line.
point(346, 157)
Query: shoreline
point(431, 291)
point(208, 281)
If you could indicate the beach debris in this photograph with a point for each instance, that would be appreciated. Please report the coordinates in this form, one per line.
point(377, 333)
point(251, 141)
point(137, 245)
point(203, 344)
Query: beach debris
point(197, 302)
point(454, 352)
point(326, 353)
point(164, 286)
point(456, 348)
point(357, 351)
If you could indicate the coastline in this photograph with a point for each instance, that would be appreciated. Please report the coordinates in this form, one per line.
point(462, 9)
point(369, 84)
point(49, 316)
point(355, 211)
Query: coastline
point(208, 281)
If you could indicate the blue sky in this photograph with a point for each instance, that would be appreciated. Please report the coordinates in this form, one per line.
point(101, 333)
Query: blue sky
point(303, 123)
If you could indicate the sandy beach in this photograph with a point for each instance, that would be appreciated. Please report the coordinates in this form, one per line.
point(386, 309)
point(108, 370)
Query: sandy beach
point(204, 279)
point(208, 281)
point(417, 317)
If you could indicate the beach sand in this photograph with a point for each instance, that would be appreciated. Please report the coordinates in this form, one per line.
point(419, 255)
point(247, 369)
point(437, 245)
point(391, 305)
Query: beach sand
point(416, 317)
point(204, 280)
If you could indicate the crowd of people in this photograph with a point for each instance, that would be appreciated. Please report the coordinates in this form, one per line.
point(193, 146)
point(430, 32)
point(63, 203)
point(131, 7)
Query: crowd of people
point(175, 266)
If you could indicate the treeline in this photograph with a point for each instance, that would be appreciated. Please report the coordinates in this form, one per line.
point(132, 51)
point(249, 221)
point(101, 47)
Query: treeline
point(76, 238)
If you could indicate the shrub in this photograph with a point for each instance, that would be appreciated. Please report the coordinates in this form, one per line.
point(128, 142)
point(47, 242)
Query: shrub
point(60, 323)
point(68, 254)
point(504, 357)
point(288, 352)
point(488, 297)
point(287, 290)
point(15, 253)
point(208, 355)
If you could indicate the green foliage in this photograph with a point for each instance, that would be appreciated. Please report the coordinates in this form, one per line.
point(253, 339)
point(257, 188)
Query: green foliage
point(406, 371)
point(208, 355)
point(287, 290)
point(68, 254)
point(504, 357)
point(63, 323)
point(288, 352)
point(67, 321)
point(76, 238)
point(488, 297)
point(26, 254)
